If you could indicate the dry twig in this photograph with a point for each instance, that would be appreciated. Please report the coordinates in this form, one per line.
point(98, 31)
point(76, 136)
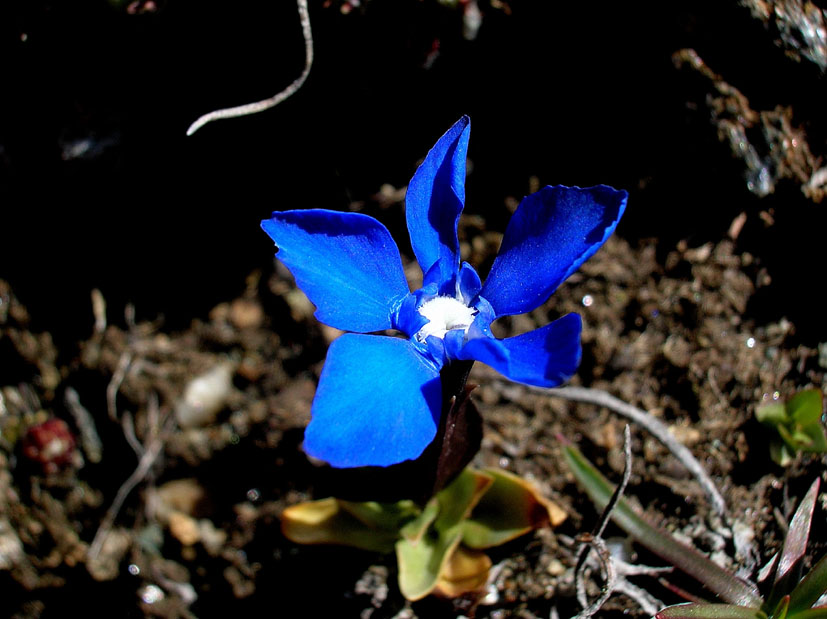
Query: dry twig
point(89, 439)
point(266, 104)
point(653, 426)
point(614, 570)
point(594, 541)
point(115, 384)
point(149, 453)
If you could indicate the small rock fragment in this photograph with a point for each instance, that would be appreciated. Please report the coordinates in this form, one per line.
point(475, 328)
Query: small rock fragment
point(246, 314)
point(107, 564)
point(184, 528)
point(11, 548)
point(205, 396)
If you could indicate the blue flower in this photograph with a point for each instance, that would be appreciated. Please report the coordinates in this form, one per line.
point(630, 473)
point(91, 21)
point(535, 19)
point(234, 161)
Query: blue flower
point(379, 397)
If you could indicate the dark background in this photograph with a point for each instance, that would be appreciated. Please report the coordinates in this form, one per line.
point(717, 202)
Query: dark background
point(570, 92)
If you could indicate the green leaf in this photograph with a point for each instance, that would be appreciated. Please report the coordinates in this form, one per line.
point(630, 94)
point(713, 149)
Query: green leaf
point(325, 522)
point(417, 527)
point(805, 407)
point(798, 423)
point(421, 562)
point(811, 587)
point(789, 440)
point(780, 611)
point(387, 516)
point(812, 613)
point(509, 508)
point(780, 452)
point(817, 440)
point(727, 586)
point(802, 440)
point(772, 414)
point(710, 611)
point(459, 497)
point(795, 545)
point(423, 559)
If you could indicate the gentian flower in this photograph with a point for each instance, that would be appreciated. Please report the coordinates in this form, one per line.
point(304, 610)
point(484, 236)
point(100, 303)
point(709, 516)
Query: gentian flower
point(379, 397)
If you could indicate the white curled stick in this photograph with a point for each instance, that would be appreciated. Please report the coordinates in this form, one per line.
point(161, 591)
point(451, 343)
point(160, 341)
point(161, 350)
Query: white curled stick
point(266, 104)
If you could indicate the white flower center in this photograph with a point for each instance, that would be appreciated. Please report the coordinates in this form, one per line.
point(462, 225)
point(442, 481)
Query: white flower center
point(444, 314)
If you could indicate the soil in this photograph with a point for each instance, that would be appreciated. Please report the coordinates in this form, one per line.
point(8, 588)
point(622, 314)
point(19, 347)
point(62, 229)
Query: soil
point(141, 507)
point(200, 530)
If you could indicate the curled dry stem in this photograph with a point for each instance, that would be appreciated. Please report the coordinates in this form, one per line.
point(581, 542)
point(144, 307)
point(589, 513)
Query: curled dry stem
point(614, 570)
point(655, 427)
point(149, 453)
point(589, 542)
point(266, 104)
point(595, 542)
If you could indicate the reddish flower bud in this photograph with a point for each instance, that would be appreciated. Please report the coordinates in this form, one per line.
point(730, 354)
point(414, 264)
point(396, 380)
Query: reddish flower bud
point(51, 444)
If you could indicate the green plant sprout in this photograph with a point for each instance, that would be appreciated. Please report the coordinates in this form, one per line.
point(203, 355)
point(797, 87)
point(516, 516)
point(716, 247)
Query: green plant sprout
point(790, 596)
point(798, 424)
point(439, 547)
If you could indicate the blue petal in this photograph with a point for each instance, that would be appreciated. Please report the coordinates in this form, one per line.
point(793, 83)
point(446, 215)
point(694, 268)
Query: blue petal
point(408, 319)
point(469, 283)
point(436, 195)
point(346, 263)
point(378, 403)
point(552, 233)
point(545, 357)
